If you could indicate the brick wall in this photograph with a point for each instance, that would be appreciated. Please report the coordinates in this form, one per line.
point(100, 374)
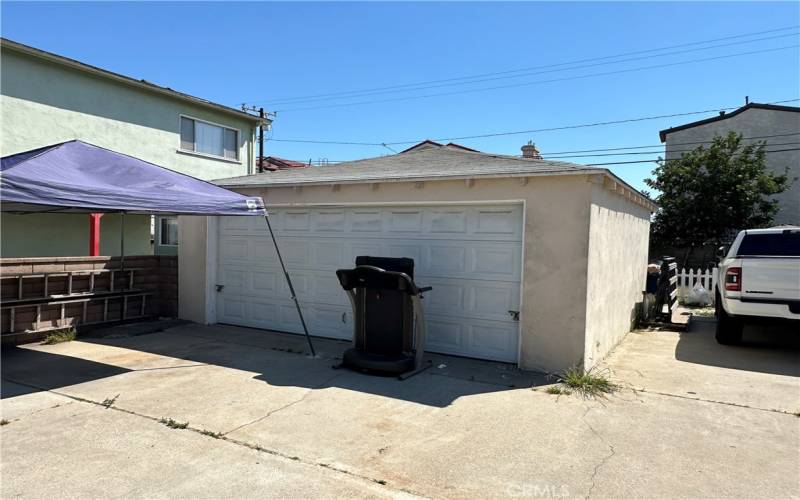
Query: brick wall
point(155, 274)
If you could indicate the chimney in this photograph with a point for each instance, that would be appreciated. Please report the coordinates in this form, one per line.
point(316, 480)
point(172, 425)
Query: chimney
point(529, 151)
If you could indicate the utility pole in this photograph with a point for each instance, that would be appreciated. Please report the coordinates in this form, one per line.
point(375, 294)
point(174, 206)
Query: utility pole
point(262, 115)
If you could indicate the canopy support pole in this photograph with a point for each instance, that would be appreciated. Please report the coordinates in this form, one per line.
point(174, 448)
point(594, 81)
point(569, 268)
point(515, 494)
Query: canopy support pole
point(291, 287)
point(94, 234)
point(122, 243)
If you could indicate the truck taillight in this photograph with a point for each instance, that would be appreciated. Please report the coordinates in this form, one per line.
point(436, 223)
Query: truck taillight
point(733, 279)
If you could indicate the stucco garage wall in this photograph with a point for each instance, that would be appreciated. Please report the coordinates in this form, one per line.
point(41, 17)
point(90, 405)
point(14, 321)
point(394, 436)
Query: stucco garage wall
point(618, 246)
point(555, 252)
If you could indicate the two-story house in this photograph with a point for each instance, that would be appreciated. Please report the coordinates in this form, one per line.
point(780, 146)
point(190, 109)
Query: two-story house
point(47, 99)
point(777, 126)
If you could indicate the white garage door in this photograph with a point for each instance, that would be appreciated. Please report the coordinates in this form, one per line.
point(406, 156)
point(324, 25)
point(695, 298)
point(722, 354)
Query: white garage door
point(471, 256)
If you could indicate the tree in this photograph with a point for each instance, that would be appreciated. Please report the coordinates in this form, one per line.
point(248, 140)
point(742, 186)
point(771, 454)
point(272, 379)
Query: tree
point(711, 192)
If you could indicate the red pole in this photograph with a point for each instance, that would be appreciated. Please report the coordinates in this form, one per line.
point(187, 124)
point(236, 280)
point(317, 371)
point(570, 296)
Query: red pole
point(94, 234)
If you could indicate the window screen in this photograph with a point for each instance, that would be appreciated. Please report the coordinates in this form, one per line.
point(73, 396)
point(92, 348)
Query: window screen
point(230, 143)
point(207, 138)
point(187, 134)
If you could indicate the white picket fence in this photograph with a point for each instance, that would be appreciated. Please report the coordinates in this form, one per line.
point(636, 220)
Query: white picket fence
point(688, 278)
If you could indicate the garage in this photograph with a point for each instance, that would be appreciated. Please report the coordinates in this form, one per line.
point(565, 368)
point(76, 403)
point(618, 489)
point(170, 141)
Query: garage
point(535, 262)
point(471, 254)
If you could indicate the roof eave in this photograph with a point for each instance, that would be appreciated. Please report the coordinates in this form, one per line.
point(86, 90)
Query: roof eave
point(647, 202)
point(753, 105)
point(72, 63)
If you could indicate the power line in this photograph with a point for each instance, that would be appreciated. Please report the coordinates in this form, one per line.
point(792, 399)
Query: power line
point(673, 144)
point(531, 68)
point(656, 160)
point(537, 82)
point(628, 153)
point(522, 75)
point(647, 152)
point(519, 132)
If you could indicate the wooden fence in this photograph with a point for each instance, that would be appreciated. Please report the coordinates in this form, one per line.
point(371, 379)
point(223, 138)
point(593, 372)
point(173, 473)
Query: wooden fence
point(45, 293)
point(688, 278)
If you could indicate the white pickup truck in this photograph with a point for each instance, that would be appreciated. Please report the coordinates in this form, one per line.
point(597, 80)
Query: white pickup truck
point(759, 280)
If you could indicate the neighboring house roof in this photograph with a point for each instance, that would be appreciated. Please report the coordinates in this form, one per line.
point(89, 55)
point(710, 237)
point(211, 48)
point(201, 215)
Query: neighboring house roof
point(7, 44)
point(434, 162)
point(427, 143)
point(273, 163)
point(725, 116)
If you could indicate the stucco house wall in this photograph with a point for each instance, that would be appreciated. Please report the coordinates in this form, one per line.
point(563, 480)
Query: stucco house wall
point(44, 102)
point(557, 215)
point(67, 235)
point(618, 245)
point(754, 122)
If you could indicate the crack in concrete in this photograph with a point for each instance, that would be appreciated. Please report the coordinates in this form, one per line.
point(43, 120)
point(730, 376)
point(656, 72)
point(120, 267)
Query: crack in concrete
point(287, 405)
point(604, 460)
point(245, 444)
point(704, 400)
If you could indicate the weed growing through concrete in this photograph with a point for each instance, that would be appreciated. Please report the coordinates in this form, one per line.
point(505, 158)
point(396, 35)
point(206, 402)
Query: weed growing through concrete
point(554, 389)
point(60, 336)
point(172, 424)
point(109, 402)
point(587, 383)
point(215, 435)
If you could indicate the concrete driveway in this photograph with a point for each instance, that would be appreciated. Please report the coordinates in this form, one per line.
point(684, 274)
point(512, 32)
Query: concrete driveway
point(97, 418)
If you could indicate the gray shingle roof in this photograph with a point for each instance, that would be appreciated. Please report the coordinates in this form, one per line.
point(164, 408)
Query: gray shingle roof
point(425, 164)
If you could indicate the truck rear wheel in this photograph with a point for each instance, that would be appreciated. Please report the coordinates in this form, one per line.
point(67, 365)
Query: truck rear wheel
point(729, 330)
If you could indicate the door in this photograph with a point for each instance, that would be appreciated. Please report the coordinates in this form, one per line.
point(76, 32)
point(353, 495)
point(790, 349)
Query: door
point(470, 254)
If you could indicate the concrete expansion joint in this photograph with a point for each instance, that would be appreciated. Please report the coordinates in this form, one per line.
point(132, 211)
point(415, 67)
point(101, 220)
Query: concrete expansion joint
point(713, 401)
point(604, 460)
point(223, 437)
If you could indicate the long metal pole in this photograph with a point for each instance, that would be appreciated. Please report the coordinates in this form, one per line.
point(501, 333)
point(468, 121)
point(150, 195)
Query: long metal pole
point(122, 243)
point(291, 287)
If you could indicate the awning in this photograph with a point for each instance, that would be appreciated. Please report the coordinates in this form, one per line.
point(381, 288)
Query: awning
point(77, 177)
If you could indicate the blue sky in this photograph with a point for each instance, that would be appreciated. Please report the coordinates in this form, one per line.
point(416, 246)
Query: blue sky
point(259, 53)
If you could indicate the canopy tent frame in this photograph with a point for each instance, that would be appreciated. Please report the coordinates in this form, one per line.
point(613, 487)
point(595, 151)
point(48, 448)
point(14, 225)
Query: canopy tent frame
point(77, 177)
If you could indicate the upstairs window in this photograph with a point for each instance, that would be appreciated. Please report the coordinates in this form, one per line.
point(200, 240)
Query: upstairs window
point(209, 139)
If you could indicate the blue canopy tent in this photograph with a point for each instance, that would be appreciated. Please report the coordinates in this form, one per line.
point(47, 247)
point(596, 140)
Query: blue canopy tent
point(77, 177)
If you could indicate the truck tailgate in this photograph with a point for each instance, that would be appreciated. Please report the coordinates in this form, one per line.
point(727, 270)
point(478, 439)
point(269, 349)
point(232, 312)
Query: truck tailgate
point(771, 278)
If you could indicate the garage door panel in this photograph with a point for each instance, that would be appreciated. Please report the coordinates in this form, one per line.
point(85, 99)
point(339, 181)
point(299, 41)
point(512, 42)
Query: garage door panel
point(329, 221)
point(498, 261)
point(360, 248)
point(444, 335)
point(497, 221)
point(495, 261)
point(233, 249)
point(405, 221)
point(446, 221)
point(471, 299)
point(365, 221)
point(327, 253)
point(496, 341)
point(470, 254)
point(234, 308)
point(296, 220)
point(264, 312)
point(404, 250)
point(331, 321)
point(264, 282)
point(444, 260)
